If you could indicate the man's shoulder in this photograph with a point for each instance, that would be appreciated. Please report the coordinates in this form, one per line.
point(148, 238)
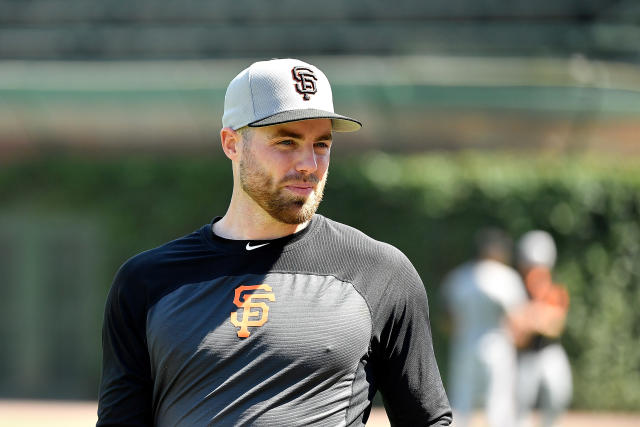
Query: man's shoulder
point(360, 258)
point(348, 238)
point(382, 273)
point(501, 283)
point(465, 268)
point(149, 262)
point(495, 269)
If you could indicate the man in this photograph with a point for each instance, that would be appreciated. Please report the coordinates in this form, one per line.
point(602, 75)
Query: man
point(543, 367)
point(272, 314)
point(481, 294)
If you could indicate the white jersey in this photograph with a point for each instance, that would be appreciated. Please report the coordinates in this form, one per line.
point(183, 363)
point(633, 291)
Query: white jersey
point(479, 294)
point(483, 358)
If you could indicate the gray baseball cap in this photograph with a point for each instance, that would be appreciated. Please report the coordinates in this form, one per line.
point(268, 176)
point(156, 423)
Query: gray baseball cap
point(537, 248)
point(280, 91)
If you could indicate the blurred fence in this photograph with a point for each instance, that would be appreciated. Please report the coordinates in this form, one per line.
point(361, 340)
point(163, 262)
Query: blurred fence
point(406, 103)
point(146, 29)
point(150, 75)
point(50, 294)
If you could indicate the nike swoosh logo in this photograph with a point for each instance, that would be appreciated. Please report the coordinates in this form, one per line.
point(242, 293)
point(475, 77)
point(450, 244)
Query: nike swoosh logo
point(250, 248)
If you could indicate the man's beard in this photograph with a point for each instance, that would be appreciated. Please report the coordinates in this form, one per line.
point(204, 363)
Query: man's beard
point(286, 208)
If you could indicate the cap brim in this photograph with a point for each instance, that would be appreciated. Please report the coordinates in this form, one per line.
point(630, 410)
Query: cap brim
point(339, 123)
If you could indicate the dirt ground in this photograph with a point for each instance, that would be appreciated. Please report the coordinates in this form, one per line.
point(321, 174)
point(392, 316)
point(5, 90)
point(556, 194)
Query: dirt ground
point(573, 419)
point(26, 413)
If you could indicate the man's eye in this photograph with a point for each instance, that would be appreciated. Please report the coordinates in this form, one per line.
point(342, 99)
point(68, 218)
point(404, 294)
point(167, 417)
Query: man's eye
point(322, 145)
point(286, 142)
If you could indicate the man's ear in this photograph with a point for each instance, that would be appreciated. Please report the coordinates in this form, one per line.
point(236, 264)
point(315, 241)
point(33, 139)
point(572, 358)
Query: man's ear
point(230, 140)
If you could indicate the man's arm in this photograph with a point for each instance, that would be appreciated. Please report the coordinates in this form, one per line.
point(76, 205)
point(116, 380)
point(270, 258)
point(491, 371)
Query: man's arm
point(408, 375)
point(545, 316)
point(126, 386)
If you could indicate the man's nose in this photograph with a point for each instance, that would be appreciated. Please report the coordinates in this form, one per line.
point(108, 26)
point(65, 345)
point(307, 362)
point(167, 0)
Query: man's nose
point(307, 163)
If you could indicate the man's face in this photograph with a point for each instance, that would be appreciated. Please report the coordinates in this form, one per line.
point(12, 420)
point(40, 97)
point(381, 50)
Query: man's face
point(283, 168)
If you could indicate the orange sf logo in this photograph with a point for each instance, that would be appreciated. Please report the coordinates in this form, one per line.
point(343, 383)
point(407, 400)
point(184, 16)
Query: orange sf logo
point(247, 303)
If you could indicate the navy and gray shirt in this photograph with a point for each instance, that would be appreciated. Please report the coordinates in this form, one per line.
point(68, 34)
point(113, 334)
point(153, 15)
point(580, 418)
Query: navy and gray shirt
point(297, 331)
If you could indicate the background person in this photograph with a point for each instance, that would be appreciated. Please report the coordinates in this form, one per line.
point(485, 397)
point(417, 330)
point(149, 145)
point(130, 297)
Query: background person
point(543, 366)
point(480, 293)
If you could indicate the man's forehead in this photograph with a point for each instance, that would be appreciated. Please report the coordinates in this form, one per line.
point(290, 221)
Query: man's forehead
point(303, 129)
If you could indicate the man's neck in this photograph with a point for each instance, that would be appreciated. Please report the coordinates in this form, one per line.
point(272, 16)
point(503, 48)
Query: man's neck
point(252, 223)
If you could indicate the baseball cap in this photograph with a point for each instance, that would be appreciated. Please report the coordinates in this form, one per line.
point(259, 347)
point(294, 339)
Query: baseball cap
point(280, 91)
point(537, 248)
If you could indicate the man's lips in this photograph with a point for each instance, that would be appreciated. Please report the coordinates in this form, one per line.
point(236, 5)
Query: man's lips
point(303, 189)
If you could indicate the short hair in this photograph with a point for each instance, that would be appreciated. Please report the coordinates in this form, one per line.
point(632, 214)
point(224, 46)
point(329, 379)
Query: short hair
point(245, 132)
point(493, 242)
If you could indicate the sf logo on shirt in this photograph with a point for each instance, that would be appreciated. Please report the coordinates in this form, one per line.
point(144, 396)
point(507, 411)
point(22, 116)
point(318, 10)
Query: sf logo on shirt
point(254, 313)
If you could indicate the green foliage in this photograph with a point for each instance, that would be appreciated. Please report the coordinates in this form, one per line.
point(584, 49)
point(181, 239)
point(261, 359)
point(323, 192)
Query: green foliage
point(429, 206)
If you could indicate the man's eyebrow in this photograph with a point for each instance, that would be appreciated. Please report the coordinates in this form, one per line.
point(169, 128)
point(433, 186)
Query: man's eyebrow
point(284, 133)
point(326, 137)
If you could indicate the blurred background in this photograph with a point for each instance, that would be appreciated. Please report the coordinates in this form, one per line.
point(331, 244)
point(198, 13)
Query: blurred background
point(515, 114)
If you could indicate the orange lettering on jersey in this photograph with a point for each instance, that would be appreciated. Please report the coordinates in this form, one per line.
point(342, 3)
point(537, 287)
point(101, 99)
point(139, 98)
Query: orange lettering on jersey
point(245, 297)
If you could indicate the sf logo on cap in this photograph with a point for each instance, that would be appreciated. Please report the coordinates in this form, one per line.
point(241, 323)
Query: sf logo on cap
point(252, 312)
point(306, 81)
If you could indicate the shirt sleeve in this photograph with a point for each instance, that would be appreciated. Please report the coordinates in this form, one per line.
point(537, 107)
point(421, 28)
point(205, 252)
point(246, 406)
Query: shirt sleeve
point(125, 396)
point(408, 375)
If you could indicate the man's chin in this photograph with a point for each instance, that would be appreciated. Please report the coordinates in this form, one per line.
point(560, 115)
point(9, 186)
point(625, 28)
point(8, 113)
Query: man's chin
point(295, 213)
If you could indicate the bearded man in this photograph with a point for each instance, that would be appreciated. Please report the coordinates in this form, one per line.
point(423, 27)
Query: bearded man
point(271, 314)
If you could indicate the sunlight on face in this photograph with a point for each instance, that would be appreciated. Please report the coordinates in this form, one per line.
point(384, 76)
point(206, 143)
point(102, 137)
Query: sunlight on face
point(270, 192)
